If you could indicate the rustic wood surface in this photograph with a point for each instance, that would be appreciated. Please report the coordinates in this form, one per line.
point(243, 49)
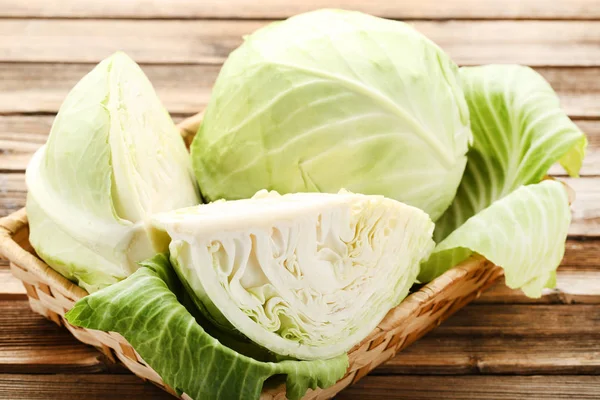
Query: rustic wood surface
point(504, 345)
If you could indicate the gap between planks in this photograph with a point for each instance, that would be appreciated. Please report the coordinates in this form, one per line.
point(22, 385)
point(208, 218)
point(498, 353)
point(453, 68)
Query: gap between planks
point(525, 340)
point(68, 387)
point(536, 43)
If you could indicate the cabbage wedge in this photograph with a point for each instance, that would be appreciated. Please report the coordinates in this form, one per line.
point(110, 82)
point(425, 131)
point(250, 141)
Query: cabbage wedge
point(113, 158)
point(304, 275)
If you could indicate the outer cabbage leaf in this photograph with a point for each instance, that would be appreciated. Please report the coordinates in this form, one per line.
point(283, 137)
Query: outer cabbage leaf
point(113, 157)
point(188, 358)
point(305, 275)
point(519, 132)
point(523, 232)
point(336, 99)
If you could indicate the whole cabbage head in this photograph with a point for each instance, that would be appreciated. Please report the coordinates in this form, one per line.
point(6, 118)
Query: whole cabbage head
point(335, 99)
point(305, 275)
point(113, 158)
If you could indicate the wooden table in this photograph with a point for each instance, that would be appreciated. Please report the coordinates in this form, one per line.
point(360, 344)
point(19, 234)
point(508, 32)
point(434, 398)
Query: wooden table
point(502, 346)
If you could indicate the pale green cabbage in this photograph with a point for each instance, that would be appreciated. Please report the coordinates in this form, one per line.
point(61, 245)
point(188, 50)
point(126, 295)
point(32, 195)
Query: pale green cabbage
point(303, 275)
point(336, 99)
point(519, 132)
point(113, 158)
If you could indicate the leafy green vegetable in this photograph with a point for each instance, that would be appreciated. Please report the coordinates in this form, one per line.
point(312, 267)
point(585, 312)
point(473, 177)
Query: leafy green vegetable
point(336, 99)
point(523, 232)
point(305, 275)
point(144, 309)
point(519, 131)
point(113, 158)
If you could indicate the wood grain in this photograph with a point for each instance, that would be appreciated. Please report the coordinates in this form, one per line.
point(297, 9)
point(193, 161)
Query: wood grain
point(185, 89)
point(32, 344)
point(113, 387)
point(573, 286)
point(538, 320)
point(77, 386)
point(462, 355)
point(276, 9)
point(536, 43)
point(474, 387)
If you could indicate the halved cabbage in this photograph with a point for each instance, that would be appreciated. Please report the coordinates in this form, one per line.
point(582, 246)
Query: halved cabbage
point(305, 275)
point(113, 158)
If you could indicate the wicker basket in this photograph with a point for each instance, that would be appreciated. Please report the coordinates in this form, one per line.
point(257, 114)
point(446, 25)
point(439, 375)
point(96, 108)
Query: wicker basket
point(52, 295)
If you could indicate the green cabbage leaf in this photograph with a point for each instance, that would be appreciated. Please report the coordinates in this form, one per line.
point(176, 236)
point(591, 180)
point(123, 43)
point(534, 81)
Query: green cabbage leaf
point(144, 308)
point(500, 210)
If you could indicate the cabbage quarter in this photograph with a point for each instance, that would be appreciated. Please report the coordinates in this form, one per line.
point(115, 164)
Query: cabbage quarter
point(305, 275)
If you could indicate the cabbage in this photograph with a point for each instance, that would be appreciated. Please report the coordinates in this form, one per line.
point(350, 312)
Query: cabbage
point(113, 158)
point(519, 132)
point(524, 232)
point(335, 99)
point(190, 357)
point(303, 275)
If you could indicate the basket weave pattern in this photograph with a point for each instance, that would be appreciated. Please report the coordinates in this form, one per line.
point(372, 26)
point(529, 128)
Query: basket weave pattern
point(52, 295)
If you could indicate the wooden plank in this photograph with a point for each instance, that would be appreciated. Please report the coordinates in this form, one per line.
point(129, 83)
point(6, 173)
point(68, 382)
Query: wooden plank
point(573, 286)
point(34, 88)
point(113, 387)
point(586, 208)
point(536, 43)
point(276, 9)
point(10, 287)
point(76, 386)
point(474, 387)
point(460, 355)
point(537, 320)
point(32, 344)
point(21, 136)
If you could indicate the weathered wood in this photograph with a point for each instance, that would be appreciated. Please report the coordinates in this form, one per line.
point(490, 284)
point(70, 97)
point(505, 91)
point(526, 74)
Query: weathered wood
point(474, 387)
point(276, 9)
point(185, 89)
point(538, 43)
point(32, 344)
point(523, 320)
point(586, 209)
point(461, 355)
point(76, 386)
point(112, 387)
